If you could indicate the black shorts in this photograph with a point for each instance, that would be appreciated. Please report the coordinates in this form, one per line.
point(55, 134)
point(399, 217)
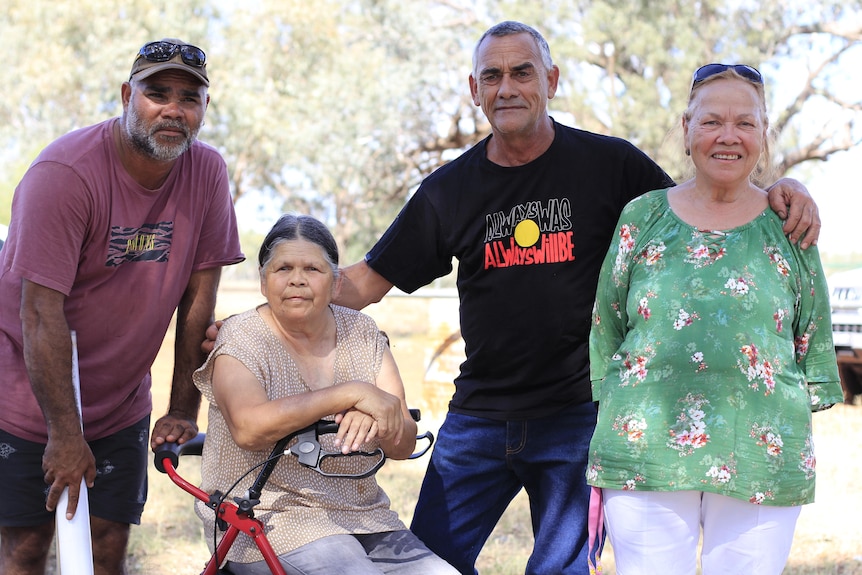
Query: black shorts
point(118, 494)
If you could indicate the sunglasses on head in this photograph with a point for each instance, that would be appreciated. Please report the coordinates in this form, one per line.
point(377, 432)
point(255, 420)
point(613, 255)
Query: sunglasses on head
point(163, 51)
point(744, 70)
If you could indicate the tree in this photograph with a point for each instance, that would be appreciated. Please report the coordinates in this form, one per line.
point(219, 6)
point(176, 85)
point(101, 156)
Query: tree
point(68, 59)
point(337, 112)
point(627, 65)
point(64, 62)
point(341, 107)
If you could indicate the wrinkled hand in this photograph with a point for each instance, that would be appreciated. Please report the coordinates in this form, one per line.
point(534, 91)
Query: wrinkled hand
point(354, 429)
point(65, 462)
point(208, 344)
point(172, 429)
point(375, 404)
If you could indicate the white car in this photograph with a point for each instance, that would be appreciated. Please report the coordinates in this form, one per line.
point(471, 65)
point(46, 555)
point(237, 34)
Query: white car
point(3, 231)
point(845, 296)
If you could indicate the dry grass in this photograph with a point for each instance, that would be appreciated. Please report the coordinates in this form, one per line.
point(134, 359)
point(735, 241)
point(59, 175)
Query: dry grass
point(828, 537)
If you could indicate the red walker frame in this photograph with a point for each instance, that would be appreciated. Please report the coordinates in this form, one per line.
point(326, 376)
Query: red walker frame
point(238, 515)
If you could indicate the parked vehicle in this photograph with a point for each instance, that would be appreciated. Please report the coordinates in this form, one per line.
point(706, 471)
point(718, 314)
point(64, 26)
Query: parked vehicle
point(846, 298)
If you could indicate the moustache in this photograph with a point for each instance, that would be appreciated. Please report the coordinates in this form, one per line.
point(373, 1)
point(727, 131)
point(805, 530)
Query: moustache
point(171, 126)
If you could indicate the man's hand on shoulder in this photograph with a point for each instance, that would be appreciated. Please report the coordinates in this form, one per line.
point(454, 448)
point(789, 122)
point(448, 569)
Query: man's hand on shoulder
point(208, 344)
point(792, 202)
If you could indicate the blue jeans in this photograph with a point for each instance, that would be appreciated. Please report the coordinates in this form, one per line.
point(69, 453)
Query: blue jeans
point(479, 465)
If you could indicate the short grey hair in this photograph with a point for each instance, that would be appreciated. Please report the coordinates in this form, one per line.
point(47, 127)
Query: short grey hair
point(508, 28)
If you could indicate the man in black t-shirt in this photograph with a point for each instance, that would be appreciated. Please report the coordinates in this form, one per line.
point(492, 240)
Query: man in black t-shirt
point(529, 212)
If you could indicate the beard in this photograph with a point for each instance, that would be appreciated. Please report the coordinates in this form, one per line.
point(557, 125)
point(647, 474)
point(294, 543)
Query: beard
point(143, 140)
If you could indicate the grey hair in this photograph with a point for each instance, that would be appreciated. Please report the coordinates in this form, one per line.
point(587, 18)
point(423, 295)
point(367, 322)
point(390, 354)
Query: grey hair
point(292, 227)
point(508, 28)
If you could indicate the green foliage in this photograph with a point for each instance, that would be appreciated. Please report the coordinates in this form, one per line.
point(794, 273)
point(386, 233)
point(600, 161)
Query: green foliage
point(66, 61)
point(9, 178)
point(69, 58)
point(626, 65)
point(341, 107)
point(334, 109)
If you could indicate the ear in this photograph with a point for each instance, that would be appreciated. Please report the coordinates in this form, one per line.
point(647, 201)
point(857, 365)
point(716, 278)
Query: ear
point(474, 90)
point(553, 81)
point(262, 275)
point(126, 94)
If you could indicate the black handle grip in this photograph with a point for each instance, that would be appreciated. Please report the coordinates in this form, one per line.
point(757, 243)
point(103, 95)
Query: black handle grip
point(173, 451)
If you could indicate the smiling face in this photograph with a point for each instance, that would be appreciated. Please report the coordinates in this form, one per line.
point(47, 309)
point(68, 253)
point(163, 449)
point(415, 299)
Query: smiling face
point(725, 129)
point(298, 281)
point(163, 113)
point(512, 85)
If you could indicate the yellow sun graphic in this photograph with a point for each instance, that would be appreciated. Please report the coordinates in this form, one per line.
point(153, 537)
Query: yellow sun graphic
point(526, 233)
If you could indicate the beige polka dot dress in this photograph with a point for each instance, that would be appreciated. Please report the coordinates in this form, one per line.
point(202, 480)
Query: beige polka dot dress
point(298, 505)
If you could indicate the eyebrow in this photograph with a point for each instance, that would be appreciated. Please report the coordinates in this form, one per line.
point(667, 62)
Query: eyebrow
point(163, 89)
point(518, 68)
point(190, 93)
point(738, 116)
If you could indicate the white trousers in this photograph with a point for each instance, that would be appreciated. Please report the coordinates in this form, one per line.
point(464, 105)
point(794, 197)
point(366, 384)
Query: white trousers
point(657, 533)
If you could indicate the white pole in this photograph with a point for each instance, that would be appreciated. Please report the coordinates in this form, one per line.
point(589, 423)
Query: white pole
point(74, 544)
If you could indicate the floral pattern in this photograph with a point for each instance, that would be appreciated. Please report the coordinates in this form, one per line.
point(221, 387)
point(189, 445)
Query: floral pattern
point(688, 432)
point(712, 351)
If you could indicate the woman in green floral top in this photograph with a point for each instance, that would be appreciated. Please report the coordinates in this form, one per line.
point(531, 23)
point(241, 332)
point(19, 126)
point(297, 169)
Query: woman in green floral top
point(711, 345)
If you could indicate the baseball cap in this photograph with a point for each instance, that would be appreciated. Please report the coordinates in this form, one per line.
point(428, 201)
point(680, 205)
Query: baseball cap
point(170, 54)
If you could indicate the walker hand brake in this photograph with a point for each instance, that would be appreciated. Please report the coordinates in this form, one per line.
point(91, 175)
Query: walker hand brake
point(309, 453)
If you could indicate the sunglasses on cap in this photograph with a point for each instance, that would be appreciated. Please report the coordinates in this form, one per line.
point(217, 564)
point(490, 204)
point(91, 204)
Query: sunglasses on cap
point(162, 51)
point(744, 70)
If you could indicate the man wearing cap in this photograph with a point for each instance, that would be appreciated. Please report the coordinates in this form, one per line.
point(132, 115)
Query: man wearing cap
point(115, 227)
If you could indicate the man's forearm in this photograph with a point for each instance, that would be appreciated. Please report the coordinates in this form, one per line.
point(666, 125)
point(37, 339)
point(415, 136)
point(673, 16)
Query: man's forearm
point(185, 399)
point(194, 315)
point(360, 286)
point(48, 357)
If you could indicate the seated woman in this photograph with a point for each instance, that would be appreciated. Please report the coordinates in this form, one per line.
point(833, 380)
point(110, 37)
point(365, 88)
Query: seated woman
point(282, 366)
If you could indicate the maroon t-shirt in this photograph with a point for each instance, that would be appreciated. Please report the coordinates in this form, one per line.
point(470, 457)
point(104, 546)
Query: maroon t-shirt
point(122, 254)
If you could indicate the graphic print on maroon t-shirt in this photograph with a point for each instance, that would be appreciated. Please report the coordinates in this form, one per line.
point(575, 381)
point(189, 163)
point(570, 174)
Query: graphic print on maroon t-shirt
point(148, 243)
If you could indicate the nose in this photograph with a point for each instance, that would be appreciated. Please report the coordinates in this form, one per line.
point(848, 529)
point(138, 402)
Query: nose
point(172, 109)
point(508, 87)
point(297, 278)
point(728, 133)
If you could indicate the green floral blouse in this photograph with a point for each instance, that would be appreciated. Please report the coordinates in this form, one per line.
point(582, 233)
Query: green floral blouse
point(708, 353)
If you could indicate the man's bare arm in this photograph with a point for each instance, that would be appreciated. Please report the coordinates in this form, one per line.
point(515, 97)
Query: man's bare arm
point(360, 286)
point(48, 356)
point(194, 314)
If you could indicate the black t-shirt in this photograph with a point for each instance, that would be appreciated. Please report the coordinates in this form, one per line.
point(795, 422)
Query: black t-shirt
point(530, 241)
